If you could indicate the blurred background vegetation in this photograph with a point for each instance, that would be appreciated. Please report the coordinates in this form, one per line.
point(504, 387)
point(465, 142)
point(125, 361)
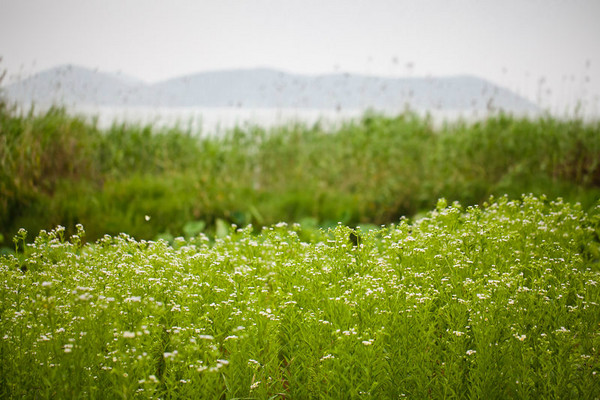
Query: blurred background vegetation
point(147, 182)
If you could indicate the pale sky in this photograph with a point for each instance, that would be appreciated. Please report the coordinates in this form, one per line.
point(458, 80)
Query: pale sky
point(513, 43)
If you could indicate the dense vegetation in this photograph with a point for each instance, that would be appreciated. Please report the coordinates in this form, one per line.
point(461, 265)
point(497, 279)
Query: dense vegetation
point(58, 169)
point(496, 298)
point(493, 302)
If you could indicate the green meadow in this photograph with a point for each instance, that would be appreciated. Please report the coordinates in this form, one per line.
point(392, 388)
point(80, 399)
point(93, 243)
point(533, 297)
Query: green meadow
point(385, 258)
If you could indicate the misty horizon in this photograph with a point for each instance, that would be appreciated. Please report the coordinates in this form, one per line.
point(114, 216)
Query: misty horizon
point(546, 52)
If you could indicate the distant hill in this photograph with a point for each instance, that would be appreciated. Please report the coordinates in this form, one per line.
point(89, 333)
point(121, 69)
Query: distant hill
point(73, 85)
point(265, 88)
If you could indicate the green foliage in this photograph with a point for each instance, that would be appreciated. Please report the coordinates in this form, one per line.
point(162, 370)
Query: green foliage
point(498, 301)
point(58, 169)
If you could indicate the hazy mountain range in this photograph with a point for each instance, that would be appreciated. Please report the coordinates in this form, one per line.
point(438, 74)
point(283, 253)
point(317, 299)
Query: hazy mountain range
point(264, 88)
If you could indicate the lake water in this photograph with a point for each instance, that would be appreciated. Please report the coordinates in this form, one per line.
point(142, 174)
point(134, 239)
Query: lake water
point(208, 121)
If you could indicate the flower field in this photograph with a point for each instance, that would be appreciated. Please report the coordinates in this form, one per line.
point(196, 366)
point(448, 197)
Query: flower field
point(499, 301)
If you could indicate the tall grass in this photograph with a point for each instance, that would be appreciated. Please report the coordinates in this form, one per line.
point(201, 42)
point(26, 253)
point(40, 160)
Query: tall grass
point(59, 169)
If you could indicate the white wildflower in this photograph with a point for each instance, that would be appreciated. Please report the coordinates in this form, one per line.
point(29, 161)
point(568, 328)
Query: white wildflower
point(254, 385)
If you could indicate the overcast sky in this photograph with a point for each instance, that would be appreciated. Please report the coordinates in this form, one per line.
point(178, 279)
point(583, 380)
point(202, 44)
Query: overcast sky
point(514, 43)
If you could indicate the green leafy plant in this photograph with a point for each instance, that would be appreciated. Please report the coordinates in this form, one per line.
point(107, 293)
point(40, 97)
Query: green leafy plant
point(494, 301)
